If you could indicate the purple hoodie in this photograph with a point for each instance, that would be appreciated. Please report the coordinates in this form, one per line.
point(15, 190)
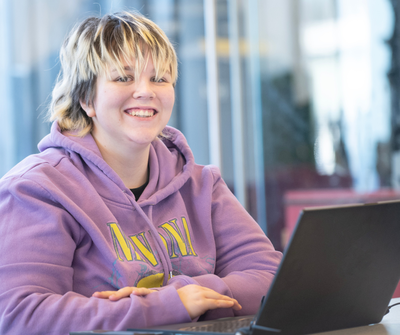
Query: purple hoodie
point(70, 227)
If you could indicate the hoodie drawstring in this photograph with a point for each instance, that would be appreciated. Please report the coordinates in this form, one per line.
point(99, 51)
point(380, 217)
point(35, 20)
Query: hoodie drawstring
point(162, 251)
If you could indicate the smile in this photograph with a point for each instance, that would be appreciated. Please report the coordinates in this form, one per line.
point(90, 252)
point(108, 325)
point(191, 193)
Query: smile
point(141, 112)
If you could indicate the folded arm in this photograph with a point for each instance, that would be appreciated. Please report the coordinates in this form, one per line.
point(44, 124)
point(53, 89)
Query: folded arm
point(38, 294)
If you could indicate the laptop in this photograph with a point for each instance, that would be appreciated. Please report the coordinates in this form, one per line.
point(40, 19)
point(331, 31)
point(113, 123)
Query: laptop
point(339, 270)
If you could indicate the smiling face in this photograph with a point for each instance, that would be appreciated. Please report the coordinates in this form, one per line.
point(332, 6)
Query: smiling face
point(129, 113)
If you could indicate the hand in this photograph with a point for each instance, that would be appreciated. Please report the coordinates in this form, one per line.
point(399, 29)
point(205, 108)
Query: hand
point(122, 293)
point(197, 300)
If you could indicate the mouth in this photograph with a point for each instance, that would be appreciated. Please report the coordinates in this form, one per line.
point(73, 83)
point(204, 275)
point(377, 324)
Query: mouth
point(142, 113)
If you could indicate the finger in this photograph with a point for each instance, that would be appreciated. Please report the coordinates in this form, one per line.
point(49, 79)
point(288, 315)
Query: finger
point(198, 300)
point(235, 304)
point(226, 302)
point(121, 293)
point(223, 301)
point(141, 291)
point(209, 293)
point(127, 291)
point(103, 294)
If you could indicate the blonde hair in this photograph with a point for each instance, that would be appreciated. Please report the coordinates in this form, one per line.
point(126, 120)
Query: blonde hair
point(95, 45)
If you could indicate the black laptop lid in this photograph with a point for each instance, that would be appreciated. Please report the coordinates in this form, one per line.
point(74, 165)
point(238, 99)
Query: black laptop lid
point(340, 270)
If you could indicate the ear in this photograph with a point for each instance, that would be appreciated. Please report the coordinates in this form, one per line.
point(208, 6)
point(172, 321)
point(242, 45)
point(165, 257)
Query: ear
point(88, 108)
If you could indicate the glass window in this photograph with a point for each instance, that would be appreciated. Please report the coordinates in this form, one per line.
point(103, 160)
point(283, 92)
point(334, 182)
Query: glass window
point(290, 98)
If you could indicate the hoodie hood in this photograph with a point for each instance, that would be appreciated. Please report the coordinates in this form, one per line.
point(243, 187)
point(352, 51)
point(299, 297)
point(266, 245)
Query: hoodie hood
point(171, 161)
point(171, 164)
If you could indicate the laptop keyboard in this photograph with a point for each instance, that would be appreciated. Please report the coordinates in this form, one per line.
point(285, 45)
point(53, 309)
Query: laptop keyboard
point(221, 326)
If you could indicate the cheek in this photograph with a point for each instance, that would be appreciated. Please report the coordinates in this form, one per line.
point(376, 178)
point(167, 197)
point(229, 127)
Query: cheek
point(169, 100)
point(110, 100)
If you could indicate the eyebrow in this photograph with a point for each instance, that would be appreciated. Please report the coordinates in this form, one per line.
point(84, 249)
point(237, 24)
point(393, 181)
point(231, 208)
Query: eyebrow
point(129, 68)
point(126, 68)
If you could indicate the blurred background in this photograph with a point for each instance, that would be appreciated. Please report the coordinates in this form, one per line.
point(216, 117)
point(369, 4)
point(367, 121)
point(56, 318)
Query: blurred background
point(295, 100)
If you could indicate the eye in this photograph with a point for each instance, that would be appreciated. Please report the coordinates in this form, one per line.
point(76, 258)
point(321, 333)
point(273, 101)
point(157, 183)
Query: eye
point(160, 80)
point(124, 79)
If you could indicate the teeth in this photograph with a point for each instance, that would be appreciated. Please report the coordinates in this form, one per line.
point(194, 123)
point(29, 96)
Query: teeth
point(141, 112)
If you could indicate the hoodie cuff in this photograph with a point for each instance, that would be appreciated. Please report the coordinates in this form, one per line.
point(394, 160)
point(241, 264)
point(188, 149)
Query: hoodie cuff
point(181, 280)
point(169, 310)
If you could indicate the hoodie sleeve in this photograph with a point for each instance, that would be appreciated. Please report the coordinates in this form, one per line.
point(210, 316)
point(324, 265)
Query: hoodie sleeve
point(246, 259)
point(38, 241)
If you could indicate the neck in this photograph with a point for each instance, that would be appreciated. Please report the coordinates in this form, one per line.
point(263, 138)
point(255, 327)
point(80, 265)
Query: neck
point(132, 168)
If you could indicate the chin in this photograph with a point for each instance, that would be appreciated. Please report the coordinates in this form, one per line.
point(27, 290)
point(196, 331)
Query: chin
point(143, 140)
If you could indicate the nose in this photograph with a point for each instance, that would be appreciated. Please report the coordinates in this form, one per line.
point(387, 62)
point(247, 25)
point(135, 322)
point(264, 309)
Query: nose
point(143, 89)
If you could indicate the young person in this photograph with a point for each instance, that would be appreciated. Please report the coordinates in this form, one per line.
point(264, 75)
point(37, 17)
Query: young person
point(113, 225)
